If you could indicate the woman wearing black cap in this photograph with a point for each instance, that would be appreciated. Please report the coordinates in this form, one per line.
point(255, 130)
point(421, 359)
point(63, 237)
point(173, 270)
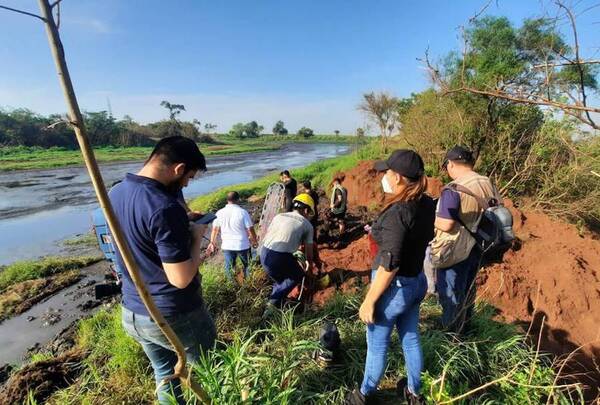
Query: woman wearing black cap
point(398, 285)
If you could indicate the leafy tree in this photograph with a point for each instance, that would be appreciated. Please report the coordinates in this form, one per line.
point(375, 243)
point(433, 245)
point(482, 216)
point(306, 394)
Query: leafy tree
point(360, 132)
point(532, 64)
point(279, 128)
point(238, 130)
point(174, 109)
point(209, 127)
point(306, 132)
point(381, 108)
point(249, 130)
point(253, 130)
point(337, 132)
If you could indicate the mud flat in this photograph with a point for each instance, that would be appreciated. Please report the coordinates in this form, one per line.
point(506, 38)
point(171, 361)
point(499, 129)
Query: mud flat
point(43, 321)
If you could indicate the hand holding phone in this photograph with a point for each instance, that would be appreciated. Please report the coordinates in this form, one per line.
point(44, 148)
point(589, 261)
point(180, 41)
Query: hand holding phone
point(205, 219)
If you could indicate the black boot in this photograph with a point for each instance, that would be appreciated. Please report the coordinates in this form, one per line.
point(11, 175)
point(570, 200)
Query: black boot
point(404, 393)
point(357, 398)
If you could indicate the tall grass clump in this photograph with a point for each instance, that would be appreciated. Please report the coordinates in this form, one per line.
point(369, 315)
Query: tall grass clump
point(32, 269)
point(115, 369)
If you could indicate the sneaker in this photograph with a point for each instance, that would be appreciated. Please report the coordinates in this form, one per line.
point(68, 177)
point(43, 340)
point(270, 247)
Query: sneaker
point(404, 393)
point(323, 357)
point(355, 398)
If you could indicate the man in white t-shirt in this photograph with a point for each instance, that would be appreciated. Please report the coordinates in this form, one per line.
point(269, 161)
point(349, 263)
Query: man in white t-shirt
point(237, 234)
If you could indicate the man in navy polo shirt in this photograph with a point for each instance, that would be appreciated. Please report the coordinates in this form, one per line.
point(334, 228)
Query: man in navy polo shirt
point(166, 247)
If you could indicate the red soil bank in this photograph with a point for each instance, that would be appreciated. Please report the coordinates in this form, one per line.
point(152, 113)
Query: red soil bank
point(364, 185)
point(555, 274)
point(355, 257)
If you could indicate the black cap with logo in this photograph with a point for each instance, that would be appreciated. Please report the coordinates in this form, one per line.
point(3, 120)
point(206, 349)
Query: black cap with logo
point(406, 162)
point(458, 154)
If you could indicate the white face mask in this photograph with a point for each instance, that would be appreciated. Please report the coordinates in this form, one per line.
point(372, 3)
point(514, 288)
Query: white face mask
point(387, 188)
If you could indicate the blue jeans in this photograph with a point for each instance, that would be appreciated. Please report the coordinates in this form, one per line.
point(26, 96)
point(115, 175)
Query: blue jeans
point(397, 307)
point(195, 329)
point(456, 290)
point(285, 271)
point(230, 258)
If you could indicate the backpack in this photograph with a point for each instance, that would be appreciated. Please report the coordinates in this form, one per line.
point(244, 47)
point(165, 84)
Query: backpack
point(494, 234)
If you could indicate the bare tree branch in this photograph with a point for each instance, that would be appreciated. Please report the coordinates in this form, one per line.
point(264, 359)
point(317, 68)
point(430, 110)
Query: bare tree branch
point(481, 11)
point(55, 3)
point(23, 12)
point(525, 100)
point(577, 59)
point(581, 62)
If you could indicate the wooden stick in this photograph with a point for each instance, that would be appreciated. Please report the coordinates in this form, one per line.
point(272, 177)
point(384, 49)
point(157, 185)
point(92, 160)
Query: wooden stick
point(181, 370)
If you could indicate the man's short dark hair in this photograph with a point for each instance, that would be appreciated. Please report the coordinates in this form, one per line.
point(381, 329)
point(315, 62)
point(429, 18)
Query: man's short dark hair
point(179, 149)
point(233, 196)
point(306, 184)
point(285, 173)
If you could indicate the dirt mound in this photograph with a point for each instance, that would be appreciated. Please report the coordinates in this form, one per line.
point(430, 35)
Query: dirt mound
point(42, 378)
point(553, 278)
point(355, 257)
point(364, 185)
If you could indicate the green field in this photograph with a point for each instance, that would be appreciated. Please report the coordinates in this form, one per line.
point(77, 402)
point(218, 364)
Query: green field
point(24, 158)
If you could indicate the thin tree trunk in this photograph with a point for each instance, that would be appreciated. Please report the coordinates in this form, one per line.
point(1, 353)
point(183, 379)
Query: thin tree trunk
point(75, 117)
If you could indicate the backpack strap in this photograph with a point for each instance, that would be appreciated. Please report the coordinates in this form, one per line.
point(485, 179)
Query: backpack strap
point(483, 203)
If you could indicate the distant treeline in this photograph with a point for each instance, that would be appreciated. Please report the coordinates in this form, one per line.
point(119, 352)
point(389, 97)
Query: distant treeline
point(22, 127)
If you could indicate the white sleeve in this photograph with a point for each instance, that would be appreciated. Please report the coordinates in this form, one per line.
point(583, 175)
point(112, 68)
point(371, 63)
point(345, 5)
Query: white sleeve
point(247, 220)
point(217, 221)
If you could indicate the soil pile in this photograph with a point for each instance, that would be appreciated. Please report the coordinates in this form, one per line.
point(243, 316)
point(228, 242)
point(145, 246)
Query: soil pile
point(553, 276)
point(42, 378)
point(364, 185)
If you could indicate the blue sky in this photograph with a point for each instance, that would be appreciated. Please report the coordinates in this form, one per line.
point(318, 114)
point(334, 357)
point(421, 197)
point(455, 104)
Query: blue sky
point(304, 62)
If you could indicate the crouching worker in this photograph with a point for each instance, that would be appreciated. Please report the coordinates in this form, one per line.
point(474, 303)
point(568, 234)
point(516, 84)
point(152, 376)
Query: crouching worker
point(286, 233)
point(398, 285)
point(166, 247)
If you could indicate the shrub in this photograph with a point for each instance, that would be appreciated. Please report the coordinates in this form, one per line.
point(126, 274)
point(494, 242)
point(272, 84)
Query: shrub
point(305, 132)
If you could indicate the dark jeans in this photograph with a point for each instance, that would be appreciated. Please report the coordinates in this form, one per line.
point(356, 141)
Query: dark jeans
point(195, 329)
point(285, 271)
point(398, 307)
point(230, 259)
point(456, 291)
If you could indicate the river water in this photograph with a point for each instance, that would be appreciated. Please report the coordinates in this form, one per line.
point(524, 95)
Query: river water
point(41, 208)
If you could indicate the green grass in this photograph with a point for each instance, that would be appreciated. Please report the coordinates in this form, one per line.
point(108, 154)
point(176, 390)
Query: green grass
point(116, 369)
point(319, 173)
point(32, 269)
point(85, 240)
point(22, 158)
point(271, 363)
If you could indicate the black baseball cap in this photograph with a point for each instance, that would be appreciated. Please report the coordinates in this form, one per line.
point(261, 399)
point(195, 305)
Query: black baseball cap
point(458, 154)
point(406, 162)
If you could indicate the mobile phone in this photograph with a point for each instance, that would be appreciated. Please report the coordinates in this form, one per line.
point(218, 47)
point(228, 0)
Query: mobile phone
point(206, 219)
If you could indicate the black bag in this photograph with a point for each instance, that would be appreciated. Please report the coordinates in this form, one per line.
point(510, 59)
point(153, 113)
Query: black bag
point(494, 234)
